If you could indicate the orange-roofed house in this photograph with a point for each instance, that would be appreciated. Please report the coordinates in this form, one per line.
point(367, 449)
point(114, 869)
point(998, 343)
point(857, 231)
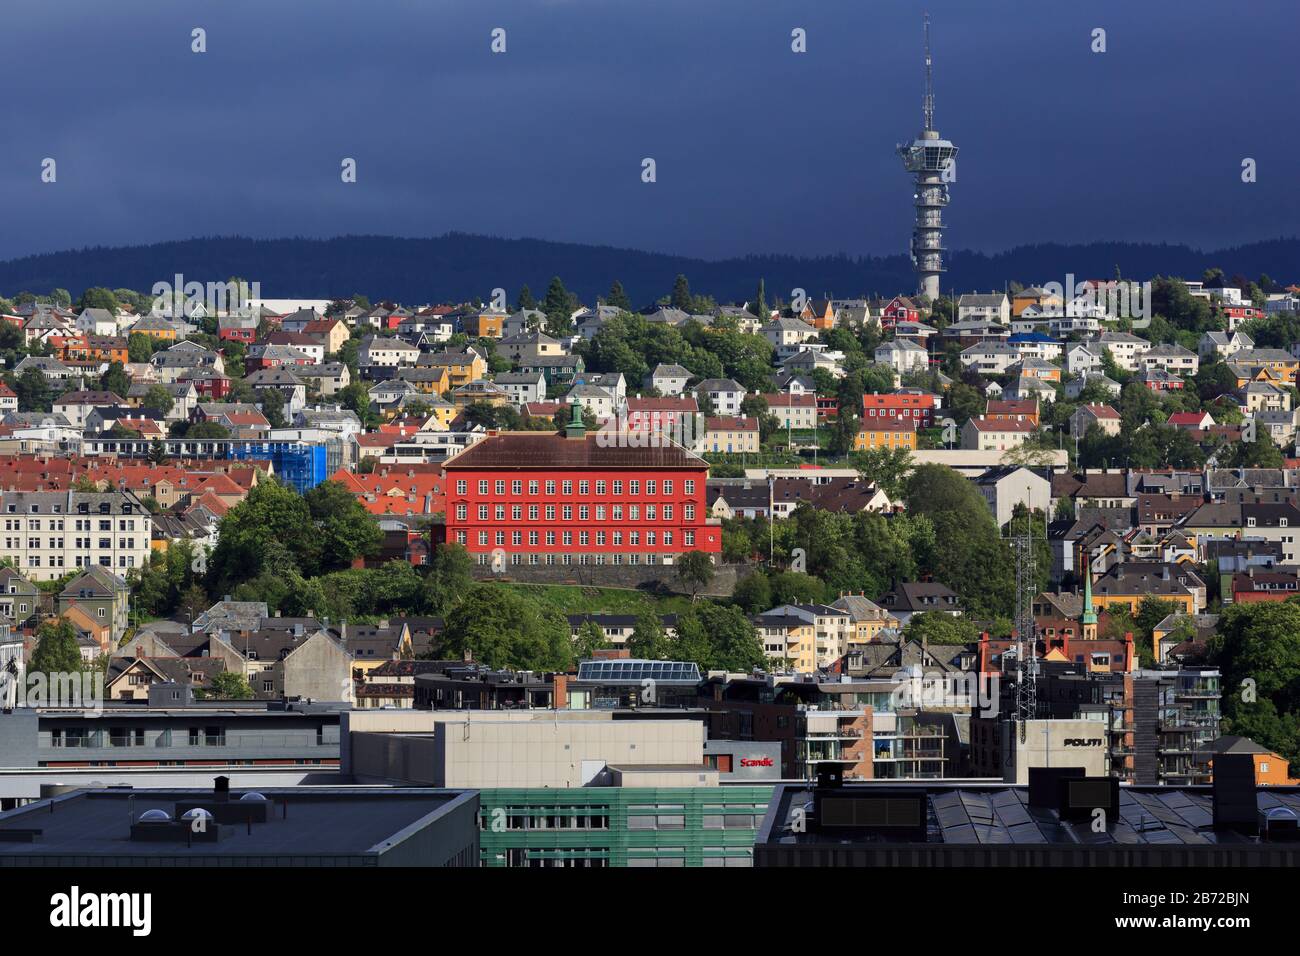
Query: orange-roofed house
point(222, 486)
point(1013, 409)
point(331, 333)
point(397, 490)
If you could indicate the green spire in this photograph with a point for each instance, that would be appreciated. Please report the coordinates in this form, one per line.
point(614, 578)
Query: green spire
point(1089, 615)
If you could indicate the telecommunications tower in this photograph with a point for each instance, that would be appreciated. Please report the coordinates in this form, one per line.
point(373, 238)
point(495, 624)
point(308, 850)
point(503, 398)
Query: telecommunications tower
point(933, 163)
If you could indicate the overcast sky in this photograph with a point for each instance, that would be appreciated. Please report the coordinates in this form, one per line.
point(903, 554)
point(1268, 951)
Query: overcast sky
point(758, 149)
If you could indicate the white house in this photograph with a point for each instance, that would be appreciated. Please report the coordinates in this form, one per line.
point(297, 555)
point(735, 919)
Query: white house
point(994, 307)
point(386, 352)
point(989, 358)
point(723, 394)
point(903, 356)
point(669, 380)
point(1125, 349)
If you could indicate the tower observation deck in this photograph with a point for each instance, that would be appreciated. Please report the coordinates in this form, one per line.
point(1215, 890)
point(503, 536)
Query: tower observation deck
point(933, 162)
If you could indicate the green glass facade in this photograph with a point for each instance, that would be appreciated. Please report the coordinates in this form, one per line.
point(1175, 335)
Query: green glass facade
point(621, 826)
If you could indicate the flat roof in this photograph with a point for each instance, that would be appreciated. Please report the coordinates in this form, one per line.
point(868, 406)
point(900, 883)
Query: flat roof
point(324, 821)
point(995, 814)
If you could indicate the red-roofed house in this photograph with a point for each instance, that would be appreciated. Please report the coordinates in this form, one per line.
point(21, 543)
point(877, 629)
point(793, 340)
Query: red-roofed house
point(918, 406)
point(397, 489)
point(1191, 419)
point(989, 434)
point(728, 434)
point(1013, 409)
point(673, 416)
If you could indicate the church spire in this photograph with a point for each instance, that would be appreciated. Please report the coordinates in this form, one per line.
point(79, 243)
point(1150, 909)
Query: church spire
point(1089, 617)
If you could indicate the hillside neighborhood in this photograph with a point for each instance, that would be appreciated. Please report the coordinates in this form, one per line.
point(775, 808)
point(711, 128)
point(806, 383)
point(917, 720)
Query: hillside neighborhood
point(463, 505)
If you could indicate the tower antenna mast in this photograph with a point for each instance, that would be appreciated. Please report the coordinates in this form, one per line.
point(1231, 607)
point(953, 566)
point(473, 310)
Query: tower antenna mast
point(931, 160)
point(927, 105)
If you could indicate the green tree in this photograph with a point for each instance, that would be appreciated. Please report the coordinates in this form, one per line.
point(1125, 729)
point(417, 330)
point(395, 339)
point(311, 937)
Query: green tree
point(591, 638)
point(559, 306)
point(344, 530)
point(503, 629)
point(885, 467)
point(618, 298)
point(271, 401)
point(695, 572)
point(159, 399)
point(717, 638)
point(56, 648)
point(451, 574)
point(974, 560)
point(98, 298)
point(753, 592)
point(115, 380)
point(648, 641)
point(207, 430)
point(936, 627)
point(681, 297)
point(271, 529)
point(229, 685)
point(34, 391)
point(526, 300)
point(140, 347)
point(1257, 650)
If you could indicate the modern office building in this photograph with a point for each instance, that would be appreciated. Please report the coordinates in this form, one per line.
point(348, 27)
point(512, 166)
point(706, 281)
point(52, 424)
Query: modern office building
point(1149, 728)
point(621, 826)
point(165, 743)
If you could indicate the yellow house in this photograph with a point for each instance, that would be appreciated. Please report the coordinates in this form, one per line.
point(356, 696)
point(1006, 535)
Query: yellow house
point(728, 434)
point(484, 325)
point(372, 645)
point(867, 619)
point(1274, 366)
point(434, 380)
point(443, 413)
point(1129, 582)
point(462, 367)
point(154, 327)
point(885, 433)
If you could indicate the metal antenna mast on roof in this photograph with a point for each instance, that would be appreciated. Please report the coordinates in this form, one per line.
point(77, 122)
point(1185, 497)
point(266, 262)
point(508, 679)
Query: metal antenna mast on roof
point(927, 104)
point(1026, 636)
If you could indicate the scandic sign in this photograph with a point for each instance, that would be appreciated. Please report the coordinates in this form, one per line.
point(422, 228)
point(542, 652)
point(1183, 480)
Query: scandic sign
point(756, 761)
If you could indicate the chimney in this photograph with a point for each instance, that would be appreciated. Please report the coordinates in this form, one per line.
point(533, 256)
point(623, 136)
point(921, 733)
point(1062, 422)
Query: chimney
point(1234, 803)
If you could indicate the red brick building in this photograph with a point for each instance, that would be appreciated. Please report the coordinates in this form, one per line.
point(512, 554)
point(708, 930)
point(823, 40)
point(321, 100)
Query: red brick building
point(544, 499)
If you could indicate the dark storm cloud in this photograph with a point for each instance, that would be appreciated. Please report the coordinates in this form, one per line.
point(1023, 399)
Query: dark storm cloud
point(758, 149)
